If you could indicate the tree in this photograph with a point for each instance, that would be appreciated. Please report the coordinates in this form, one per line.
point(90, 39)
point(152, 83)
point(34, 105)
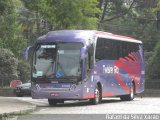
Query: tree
point(136, 19)
point(8, 69)
point(67, 14)
point(27, 22)
point(153, 71)
point(23, 70)
point(10, 37)
point(152, 68)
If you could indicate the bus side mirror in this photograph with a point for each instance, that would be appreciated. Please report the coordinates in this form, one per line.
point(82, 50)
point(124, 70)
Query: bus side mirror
point(27, 52)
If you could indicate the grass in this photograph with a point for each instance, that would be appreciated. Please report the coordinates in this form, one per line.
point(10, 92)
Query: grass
point(13, 116)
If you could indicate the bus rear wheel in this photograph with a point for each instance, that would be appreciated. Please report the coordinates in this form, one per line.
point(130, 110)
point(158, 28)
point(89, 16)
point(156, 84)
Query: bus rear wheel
point(131, 96)
point(52, 102)
point(97, 96)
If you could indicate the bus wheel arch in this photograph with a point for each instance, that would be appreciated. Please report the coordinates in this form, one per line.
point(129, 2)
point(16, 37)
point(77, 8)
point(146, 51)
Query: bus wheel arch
point(135, 87)
point(131, 95)
point(97, 94)
point(100, 88)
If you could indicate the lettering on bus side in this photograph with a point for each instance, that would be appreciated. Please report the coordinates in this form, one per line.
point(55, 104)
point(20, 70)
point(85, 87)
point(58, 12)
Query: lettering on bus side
point(110, 69)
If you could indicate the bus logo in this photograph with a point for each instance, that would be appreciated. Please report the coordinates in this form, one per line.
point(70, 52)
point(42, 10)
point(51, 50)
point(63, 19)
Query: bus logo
point(110, 69)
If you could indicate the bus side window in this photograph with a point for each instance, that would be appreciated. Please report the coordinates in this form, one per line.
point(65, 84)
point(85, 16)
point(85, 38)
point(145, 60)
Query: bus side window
point(106, 49)
point(118, 51)
point(99, 49)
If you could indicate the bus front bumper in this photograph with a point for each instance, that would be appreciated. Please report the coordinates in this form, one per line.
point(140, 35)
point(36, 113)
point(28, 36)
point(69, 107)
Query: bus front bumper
point(65, 94)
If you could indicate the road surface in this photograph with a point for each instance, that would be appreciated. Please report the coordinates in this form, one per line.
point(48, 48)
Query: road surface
point(108, 106)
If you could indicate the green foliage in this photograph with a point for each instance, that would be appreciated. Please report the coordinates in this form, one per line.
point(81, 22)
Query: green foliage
point(23, 70)
point(157, 8)
point(67, 14)
point(138, 21)
point(153, 71)
point(8, 67)
point(10, 36)
point(27, 23)
point(152, 68)
point(12, 41)
point(22, 23)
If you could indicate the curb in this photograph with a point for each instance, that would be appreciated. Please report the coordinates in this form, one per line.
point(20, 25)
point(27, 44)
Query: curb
point(20, 112)
point(150, 93)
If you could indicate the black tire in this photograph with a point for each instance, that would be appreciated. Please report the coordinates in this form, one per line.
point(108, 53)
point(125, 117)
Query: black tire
point(98, 96)
point(19, 95)
point(52, 102)
point(131, 96)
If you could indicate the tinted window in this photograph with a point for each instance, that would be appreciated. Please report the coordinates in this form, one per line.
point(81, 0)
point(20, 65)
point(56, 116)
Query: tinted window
point(106, 49)
point(114, 49)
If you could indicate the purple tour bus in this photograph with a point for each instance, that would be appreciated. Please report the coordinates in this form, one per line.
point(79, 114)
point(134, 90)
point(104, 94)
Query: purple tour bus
point(86, 64)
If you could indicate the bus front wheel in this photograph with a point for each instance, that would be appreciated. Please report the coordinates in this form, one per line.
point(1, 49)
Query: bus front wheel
point(97, 96)
point(52, 102)
point(131, 96)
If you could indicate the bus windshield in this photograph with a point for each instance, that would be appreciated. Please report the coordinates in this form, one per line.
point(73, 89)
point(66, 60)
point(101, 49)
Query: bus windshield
point(59, 60)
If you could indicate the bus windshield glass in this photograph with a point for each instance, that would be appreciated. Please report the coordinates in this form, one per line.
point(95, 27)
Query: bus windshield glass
point(59, 60)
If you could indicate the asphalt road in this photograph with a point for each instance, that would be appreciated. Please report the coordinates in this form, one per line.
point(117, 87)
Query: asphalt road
point(81, 110)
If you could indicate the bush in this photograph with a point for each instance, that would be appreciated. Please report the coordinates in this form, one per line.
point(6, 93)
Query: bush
point(152, 68)
point(148, 56)
point(23, 70)
point(8, 67)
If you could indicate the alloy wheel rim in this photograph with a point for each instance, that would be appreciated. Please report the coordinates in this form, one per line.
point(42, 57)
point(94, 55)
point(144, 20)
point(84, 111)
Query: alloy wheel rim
point(97, 95)
point(132, 92)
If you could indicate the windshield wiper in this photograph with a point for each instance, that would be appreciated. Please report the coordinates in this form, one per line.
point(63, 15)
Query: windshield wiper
point(41, 79)
point(67, 81)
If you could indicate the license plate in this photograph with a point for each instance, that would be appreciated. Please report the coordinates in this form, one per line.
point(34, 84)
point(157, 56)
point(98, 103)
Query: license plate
point(55, 94)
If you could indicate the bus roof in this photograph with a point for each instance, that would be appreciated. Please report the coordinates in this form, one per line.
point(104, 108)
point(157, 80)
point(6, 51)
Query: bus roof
point(81, 36)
